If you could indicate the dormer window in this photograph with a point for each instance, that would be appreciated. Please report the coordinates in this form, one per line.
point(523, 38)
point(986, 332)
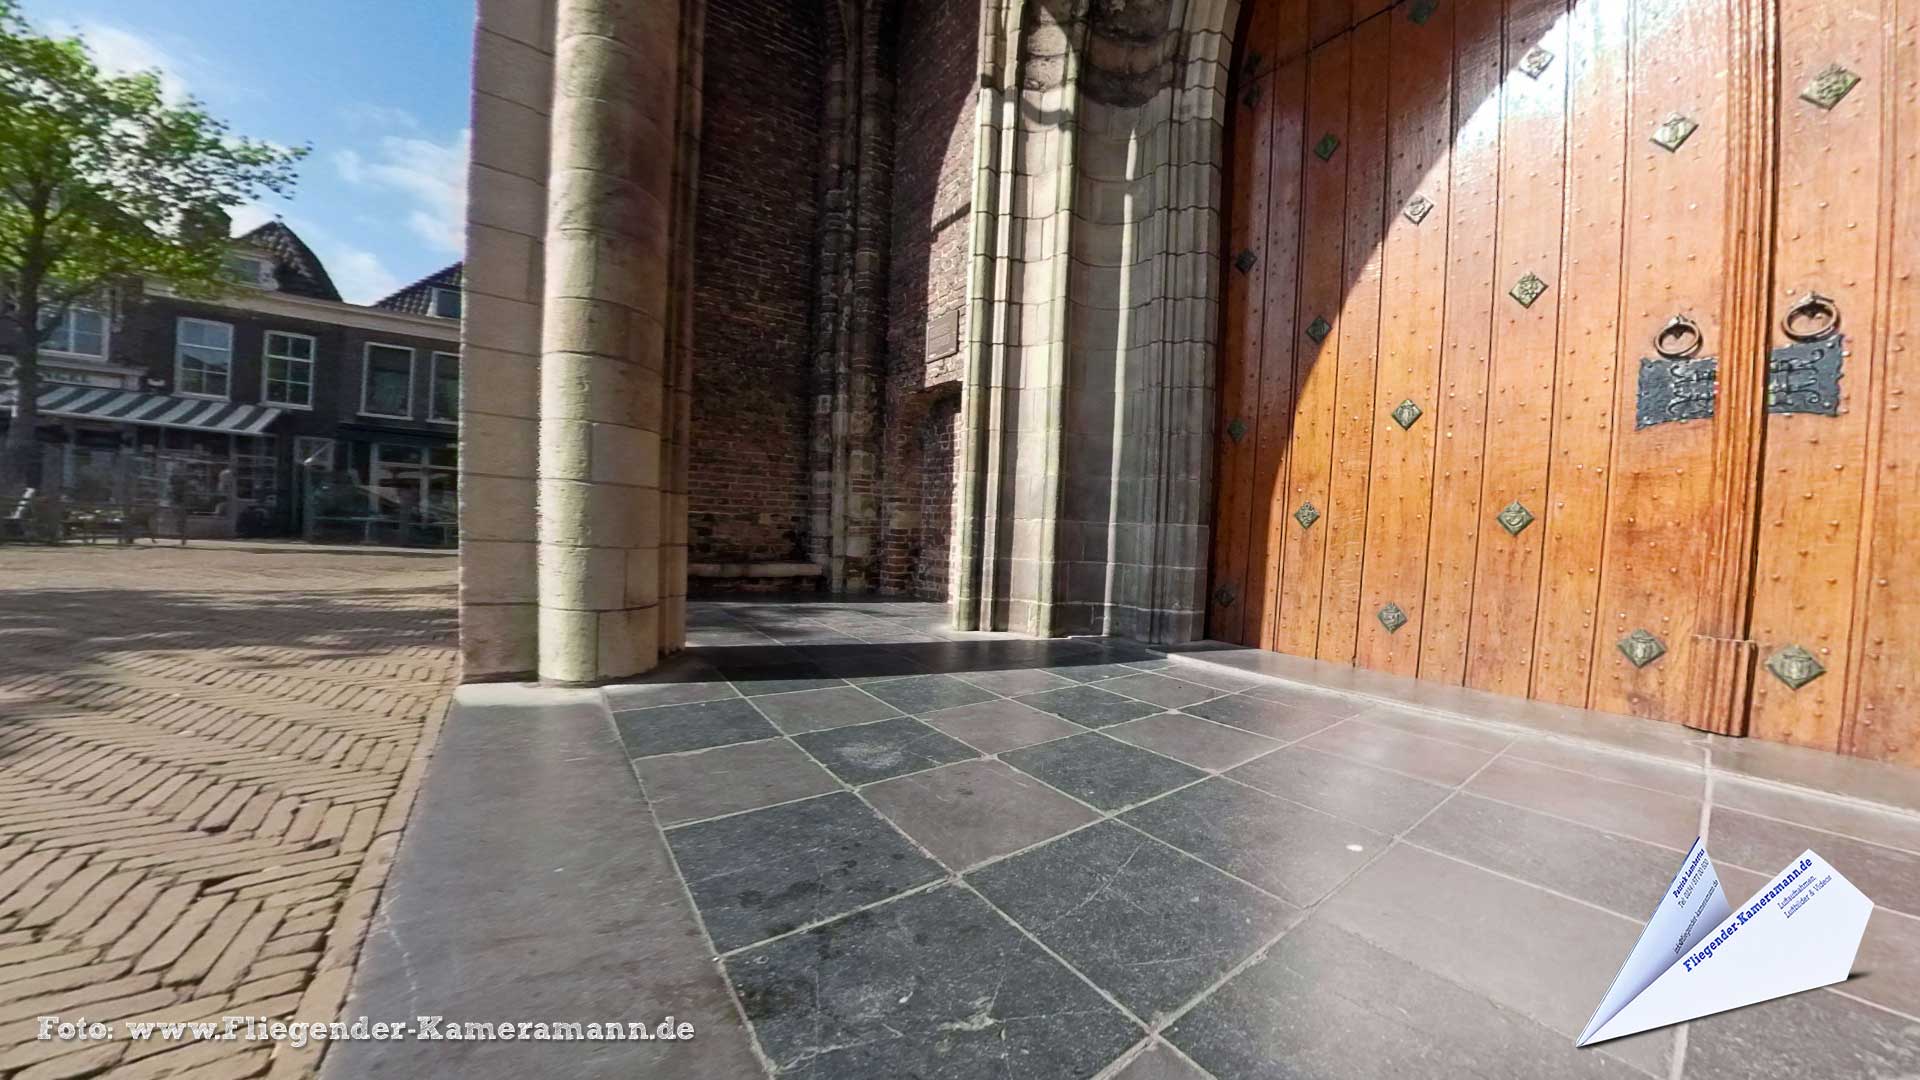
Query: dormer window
point(247, 270)
point(82, 332)
point(446, 303)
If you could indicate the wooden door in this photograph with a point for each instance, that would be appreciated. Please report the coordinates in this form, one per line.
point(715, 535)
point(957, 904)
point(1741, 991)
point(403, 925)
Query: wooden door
point(1506, 400)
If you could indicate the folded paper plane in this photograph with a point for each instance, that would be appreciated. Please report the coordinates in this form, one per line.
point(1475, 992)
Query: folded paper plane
point(1699, 955)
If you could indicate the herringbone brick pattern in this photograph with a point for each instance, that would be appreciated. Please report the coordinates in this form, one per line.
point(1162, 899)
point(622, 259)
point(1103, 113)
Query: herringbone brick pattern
point(206, 756)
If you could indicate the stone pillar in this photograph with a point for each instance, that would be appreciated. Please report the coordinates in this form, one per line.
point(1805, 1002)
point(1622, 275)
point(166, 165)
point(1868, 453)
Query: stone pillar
point(603, 361)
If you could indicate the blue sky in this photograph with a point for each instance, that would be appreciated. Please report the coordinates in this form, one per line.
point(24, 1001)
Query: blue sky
point(378, 89)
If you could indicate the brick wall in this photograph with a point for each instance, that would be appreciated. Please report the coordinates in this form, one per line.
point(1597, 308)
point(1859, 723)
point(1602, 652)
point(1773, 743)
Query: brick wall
point(932, 193)
point(753, 280)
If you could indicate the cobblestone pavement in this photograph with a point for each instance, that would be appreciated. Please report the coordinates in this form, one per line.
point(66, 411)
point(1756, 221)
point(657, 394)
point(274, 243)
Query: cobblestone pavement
point(206, 757)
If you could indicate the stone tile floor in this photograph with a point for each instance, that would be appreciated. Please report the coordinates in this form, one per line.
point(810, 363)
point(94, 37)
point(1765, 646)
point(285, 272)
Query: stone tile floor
point(918, 853)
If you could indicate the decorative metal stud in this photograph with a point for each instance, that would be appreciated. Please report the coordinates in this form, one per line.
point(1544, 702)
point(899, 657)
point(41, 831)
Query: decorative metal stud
point(1795, 666)
point(1244, 261)
point(1673, 131)
point(1528, 289)
point(1318, 329)
point(1422, 10)
point(1515, 518)
point(1828, 87)
point(1237, 430)
point(1406, 413)
point(1326, 146)
point(1252, 96)
point(1306, 515)
point(1535, 62)
point(1392, 618)
point(1417, 209)
point(1642, 648)
point(1225, 596)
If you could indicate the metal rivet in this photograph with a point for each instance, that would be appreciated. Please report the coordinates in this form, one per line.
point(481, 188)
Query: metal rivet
point(1417, 209)
point(1795, 666)
point(1528, 289)
point(1392, 618)
point(1673, 131)
point(1827, 88)
point(1306, 515)
point(1406, 413)
point(1642, 648)
point(1326, 146)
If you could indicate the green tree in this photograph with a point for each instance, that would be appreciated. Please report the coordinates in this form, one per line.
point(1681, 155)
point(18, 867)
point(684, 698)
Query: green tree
point(103, 181)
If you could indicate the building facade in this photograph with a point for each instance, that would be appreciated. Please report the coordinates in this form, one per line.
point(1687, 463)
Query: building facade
point(1491, 345)
point(274, 408)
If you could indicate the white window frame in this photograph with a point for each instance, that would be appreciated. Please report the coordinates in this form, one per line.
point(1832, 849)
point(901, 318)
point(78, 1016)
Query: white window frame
point(106, 335)
point(433, 303)
point(179, 344)
point(262, 269)
point(366, 377)
point(433, 386)
point(266, 372)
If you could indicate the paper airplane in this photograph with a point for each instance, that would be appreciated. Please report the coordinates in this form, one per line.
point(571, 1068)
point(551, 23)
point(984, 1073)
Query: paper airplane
point(1698, 956)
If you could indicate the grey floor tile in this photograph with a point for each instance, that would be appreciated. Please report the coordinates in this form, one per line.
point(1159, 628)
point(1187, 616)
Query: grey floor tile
point(1091, 671)
point(1339, 706)
point(1384, 801)
point(1168, 693)
point(769, 871)
point(1290, 850)
point(1215, 676)
point(936, 984)
point(972, 811)
point(1546, 957)
point(626, 696)
point(1655, 817)
point(1015, 681)
point(1415, 722)
point(1200, 743)
point(1850, 819)
point(1272, 719)
point(1150, 925)
point(1325, 1003)
point(1619, 874)
point(1101, 771)
point(727, 779)
point(785, 683)
point(993, 727)
point(926, 693)
point(1805, 1035)
point(1089, 705)
point(817, 710)
point(1416, 755)
point(1889, 877)
point(870, 752)
point(1160, 1062)
point(1671, 777)
point(672, 729)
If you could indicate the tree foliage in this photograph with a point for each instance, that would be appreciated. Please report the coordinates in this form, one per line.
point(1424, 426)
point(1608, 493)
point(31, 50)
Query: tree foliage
point(103, 180)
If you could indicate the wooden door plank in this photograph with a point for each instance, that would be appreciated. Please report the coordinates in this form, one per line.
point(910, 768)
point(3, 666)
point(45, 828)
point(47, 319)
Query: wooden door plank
point(1413, 297)
point(1533, 139)
point(1327, 19)
point(1675, 257)
point(1885, 717)
point(1279, 344)
point(1316, 367)
point(1359, 329)
point(1245, 274)
point(1461, 414)
point(1589, 366)
point(1814, 467)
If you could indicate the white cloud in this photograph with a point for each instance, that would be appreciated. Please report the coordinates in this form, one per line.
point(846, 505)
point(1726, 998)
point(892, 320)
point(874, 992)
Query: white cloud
point(369, 117)
point(120, 51)
point(430, 176)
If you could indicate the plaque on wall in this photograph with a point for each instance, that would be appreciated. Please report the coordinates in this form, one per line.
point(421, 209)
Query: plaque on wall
point(1804, 377)
point(943, 334)
point(1674, 390)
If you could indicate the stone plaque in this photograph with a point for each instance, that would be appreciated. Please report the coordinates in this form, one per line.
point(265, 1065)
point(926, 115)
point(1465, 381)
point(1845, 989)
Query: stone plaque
point(943, 334)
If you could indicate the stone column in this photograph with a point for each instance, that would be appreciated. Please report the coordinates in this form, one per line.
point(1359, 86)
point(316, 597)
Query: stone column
point(603, 386)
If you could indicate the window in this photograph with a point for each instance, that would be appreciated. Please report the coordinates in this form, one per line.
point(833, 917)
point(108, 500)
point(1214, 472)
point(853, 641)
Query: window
point(446, 303)
point(246, 270)
point(203, 360)
point(288, 365)
point(388, 386)
point(82, 333)
point(445, 404)
point(416, 484)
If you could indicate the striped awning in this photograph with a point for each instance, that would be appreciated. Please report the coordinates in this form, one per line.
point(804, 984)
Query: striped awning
point(156, 410)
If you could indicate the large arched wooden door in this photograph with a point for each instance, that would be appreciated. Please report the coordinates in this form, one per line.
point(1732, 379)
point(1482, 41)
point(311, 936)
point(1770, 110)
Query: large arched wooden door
point(1506, 398)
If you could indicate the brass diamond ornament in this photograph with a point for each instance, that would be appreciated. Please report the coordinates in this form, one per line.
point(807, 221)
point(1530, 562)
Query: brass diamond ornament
point(1535, 62)
point(1795, 666)
point(1827, 88)
point(1642, 648)
point(1673, 131)
point(1326, 146)
point(1406, 413)
point(1318, 329)
point(1237, 430)
point(1225, 596)
point(1422, 10)
point(1306, 515)
point(1528, 289)
point(1417, 209)
point(1515, 518)
point(1392, 618)
point(1244, 261)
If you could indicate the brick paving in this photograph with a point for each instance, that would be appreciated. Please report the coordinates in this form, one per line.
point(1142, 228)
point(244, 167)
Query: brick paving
point(206, 757)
